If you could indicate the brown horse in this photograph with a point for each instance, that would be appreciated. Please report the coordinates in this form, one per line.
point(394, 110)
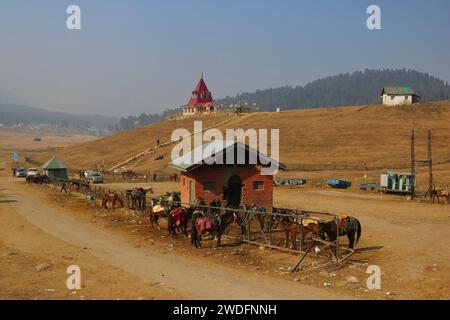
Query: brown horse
point(437, 194)
point(156, 212)
point(161, 206)
point(291, 228)
point(243, 214)
point(113, 198)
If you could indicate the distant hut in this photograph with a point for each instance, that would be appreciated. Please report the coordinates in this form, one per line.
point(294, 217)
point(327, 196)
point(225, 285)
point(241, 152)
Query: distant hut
point(393, 96)
point(55, 169)
point(396, 182)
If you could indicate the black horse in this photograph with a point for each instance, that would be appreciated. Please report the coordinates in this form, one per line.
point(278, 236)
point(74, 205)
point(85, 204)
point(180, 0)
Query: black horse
point(243, 214)
point(216, 225)
point(136, 197)
point(349, 227)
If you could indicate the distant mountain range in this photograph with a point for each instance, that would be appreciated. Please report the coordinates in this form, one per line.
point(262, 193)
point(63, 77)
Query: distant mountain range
point(12, 114)
point(361, 87)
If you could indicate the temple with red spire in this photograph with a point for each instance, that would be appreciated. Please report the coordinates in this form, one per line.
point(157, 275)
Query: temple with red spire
point(201, 101)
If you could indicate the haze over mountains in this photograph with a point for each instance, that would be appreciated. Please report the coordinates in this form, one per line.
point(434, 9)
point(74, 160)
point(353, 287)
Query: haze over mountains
point(362, 87)
point(12, 114)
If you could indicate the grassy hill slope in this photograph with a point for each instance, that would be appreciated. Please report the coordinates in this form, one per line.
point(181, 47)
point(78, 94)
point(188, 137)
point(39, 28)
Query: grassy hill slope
point(346, 141)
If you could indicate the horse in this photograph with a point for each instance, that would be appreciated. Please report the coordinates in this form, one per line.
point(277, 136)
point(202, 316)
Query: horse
point(291, 227)
point(438, 193)
point(162, 205)
point(349, 226)
point(214, 206)
point(78, 184)
point(178, 218)
point(112, 197)
point(240, 217)
point(128, 174)
point(38, 179)
point(136, 197)
point(202, 224)
point(171, 199)
point(260, 216)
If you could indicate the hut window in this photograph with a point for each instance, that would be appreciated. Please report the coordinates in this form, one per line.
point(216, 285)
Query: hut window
point(209, 186)
point(258, 185)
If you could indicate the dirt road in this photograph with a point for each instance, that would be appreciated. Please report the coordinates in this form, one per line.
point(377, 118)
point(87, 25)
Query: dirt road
point(171, 275)
point(407, 239)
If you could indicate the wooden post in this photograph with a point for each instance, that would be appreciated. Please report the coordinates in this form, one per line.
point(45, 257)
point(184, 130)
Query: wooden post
point(302, 258)
point(248, 229)
point(270, 228)
point(301, 234)
point(337, 238)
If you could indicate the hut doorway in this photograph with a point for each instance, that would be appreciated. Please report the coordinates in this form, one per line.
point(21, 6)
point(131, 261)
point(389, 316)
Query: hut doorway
point(234, 191)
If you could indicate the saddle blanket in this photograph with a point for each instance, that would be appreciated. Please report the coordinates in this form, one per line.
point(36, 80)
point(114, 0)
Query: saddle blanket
point(176, 216)
point(204, 223)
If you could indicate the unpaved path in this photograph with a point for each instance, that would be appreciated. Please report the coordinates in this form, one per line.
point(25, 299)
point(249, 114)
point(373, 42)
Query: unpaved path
point(188, 277)
point(408, 240)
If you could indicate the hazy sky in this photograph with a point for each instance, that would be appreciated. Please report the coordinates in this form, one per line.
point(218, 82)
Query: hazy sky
point(144, 56)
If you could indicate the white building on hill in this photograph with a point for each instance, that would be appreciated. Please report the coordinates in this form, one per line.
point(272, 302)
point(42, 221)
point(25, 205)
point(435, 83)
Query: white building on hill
point(394, 96)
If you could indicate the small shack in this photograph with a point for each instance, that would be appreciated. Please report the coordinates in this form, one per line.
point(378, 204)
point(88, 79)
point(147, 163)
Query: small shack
point(237, 183)
point(55, 169)
point(396, 182)
point(393, 96)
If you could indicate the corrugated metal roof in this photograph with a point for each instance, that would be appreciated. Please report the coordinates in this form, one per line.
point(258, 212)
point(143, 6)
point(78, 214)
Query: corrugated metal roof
point(54, 163)
point(216, 151)
point(391, 173)
point(398, 90)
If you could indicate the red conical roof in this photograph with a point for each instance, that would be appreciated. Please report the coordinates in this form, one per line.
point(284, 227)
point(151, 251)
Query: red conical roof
point(201, 95)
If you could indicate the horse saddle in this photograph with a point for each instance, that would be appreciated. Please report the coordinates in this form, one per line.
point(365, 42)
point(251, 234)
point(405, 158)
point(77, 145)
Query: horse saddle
point(176, 216)
point(158, 208)
point(137, 193)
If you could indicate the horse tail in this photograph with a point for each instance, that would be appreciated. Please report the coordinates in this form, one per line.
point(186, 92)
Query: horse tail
point(358, 231)
point(194, 230)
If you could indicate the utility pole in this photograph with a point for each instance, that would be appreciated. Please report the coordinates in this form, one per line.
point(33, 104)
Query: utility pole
point(413, 166)
point(430, 163)
point(424, 162)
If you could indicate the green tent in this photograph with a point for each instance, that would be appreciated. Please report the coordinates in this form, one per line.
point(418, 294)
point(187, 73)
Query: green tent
point(55, 169)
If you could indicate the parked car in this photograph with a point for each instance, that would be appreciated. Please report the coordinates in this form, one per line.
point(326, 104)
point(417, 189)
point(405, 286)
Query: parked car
point(96, 177)
point(32, 172)
point(336, 183)
point(21, 172)
point(88, 173)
